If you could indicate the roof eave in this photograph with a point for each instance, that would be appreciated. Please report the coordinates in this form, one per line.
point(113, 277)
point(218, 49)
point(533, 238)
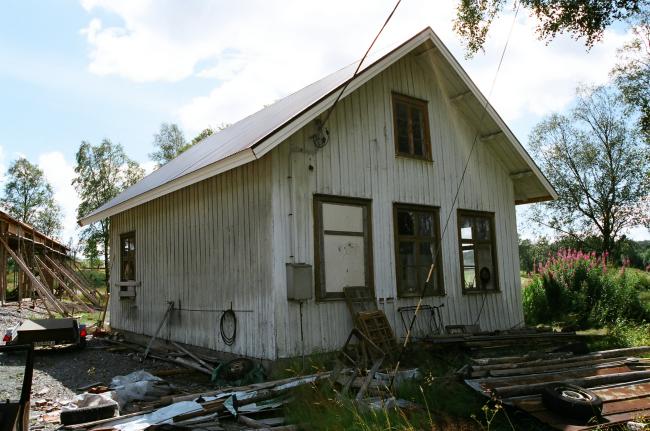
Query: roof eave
point(230, 162)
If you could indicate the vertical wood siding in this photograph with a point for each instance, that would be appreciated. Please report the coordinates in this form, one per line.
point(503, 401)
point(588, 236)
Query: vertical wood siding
point(360, 161)
point(204, 247)
point(227, 239)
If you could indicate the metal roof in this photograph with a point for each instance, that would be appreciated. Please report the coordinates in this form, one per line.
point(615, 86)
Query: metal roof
point(255, 135)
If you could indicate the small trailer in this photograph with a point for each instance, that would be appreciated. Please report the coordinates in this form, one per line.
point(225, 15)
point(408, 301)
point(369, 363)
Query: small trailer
point(47, 332)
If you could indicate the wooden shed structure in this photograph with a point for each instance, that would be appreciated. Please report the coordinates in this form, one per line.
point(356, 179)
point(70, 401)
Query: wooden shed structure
point(43, 268)
point(272, 218)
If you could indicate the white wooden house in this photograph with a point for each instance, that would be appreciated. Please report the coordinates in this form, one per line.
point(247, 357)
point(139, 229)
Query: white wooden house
point(216, 227)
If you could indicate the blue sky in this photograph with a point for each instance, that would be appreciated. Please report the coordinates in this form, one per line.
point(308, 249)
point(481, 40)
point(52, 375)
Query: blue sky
point(94, 69)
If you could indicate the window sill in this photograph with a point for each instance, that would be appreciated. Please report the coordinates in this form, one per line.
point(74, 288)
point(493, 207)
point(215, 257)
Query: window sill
point(409, 157)
point(331, 299)
point(480, 291)
point(429, 295)
point(128, 283)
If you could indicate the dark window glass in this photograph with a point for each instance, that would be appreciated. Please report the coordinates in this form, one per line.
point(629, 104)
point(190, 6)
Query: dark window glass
point(411, 125)
point(417, 239)
point(403, 144)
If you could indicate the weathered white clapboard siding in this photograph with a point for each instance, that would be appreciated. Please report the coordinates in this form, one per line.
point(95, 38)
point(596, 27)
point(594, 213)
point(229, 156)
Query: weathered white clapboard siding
point(360, 161)
point(206, 246)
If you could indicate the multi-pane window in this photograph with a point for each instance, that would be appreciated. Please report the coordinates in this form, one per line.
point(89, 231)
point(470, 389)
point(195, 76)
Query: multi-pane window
point(416, 241)
point(342, 245)
point(411, 124)
point(477, 251)
point(127, 256)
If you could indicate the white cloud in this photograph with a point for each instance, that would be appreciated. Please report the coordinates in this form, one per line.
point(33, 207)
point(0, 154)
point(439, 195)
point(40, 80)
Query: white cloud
point(59, 173)
point(259, 51)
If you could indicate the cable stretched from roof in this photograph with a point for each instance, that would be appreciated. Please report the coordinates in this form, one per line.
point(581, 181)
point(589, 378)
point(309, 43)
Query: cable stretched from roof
point(356, 71)
point(453, 203)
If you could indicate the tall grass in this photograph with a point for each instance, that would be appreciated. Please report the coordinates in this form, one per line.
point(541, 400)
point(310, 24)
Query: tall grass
point(580, 288)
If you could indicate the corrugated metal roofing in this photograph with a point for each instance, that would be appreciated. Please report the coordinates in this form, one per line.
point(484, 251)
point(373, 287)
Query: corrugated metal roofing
point(235, 145)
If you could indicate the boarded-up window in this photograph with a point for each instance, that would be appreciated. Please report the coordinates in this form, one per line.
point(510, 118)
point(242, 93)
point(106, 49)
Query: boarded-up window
point(411, 124)
point(477, 251)
point(343, 245)
point(417, 238)
point(127, 256)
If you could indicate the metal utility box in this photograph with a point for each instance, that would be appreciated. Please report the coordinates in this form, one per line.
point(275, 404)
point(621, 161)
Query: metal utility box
point(299, 282)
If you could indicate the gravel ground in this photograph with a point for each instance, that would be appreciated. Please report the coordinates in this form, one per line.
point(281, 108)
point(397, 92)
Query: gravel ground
point(59, 372)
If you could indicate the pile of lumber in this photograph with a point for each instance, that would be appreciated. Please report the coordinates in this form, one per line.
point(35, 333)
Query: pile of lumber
point(620, 377)
point(257, 406)
point(172, 352)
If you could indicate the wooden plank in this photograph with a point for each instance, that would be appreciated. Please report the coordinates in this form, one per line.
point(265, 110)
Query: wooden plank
point(79, 286)
point(42, 267)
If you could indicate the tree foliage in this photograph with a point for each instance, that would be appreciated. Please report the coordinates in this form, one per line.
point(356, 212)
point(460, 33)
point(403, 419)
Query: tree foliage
point(632, 72)
point(169, 142)
point(29, 197)
point(102, 172)
point(201, 136)
point(585, 19)
point(596, 160)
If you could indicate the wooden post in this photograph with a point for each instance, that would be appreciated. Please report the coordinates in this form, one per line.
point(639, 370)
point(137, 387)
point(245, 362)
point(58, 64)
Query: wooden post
point(3, 265)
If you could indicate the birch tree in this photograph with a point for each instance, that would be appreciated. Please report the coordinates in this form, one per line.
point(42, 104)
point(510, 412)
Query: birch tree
point(29, 197)
point(597, 161)
point(103, 171)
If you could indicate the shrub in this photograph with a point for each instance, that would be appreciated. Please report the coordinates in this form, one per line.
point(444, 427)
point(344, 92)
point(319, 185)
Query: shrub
point(579, 287)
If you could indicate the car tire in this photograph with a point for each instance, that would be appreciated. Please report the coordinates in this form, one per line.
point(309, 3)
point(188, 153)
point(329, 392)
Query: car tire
point(87, 414)
point(573, 401)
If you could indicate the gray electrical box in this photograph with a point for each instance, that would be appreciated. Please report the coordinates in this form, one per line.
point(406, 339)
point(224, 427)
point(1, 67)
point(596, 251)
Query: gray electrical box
point(299, 281)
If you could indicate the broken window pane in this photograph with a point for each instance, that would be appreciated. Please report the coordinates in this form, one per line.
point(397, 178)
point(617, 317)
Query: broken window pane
point(425, 224)
point(482, 226)
point(405, 223)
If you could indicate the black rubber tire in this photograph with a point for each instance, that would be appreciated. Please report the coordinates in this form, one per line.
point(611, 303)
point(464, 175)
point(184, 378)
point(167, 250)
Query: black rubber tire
point(572, 401)
point(87, 414)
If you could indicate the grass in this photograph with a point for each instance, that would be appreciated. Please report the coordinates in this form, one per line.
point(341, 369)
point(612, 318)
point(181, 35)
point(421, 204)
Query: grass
point(443, 402)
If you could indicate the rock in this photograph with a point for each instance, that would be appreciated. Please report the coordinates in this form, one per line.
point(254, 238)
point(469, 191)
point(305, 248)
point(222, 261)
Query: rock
point(52, 418)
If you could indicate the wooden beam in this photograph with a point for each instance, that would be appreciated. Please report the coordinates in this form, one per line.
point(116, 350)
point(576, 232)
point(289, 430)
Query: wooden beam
point(458, 97)
point(82, 289)
point(42, 290)
point(521, 174)
point(43, 267)
point(491, 136)
point(3, 265)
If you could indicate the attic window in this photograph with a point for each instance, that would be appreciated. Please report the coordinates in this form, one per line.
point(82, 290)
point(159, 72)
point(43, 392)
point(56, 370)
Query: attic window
point(411, 126)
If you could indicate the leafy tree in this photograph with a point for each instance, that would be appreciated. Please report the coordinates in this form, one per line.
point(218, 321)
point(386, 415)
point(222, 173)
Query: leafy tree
point(103, 171)
point(29, 197)
point(632, 73)
point(580, 18)
point(201, 136)
point(595, 159)
point(208, 131)
point(169, 143)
